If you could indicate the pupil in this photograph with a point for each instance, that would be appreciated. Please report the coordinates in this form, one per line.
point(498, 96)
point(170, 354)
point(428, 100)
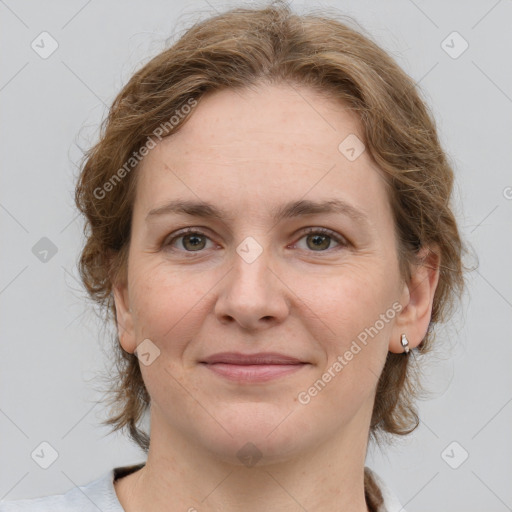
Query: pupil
point(193, 240)
point(318, 239)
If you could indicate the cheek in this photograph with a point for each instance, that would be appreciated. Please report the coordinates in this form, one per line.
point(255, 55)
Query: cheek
point(167, 305)
point(351, 300)
point(354, 342)
point(357, 315)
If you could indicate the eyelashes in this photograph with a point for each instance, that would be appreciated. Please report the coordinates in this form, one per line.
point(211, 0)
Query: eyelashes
point(320, 235)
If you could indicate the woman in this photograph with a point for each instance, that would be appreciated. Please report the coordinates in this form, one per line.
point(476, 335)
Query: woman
point(269, 224)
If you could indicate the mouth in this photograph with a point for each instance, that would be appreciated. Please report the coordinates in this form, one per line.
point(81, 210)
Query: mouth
point(252, 367)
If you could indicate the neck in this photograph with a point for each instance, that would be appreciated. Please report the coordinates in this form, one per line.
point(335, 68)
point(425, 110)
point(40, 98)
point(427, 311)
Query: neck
point(181, 475)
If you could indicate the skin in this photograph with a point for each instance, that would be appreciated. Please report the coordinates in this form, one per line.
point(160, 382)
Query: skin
point(249, 152)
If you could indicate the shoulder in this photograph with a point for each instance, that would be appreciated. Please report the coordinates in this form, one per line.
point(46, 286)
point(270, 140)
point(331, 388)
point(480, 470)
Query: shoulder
point(96, 495)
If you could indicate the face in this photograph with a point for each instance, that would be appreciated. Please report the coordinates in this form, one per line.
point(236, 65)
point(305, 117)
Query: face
point(241, 278)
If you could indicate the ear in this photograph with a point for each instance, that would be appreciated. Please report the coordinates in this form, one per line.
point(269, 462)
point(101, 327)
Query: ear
point(124, 317)
point(417, 300)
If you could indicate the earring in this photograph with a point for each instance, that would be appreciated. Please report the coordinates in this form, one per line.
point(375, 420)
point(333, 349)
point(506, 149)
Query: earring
point(405, 343)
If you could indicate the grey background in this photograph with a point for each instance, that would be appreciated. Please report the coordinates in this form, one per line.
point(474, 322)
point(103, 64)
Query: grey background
point(52, 345)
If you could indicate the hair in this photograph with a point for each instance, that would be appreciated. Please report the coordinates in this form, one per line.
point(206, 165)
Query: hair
point(242, 48)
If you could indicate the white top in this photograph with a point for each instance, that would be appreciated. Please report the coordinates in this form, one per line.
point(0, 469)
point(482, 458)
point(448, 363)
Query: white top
point(101, 495)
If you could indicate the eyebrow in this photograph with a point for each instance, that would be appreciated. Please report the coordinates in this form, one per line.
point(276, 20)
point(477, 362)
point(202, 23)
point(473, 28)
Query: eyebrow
point(289, 210)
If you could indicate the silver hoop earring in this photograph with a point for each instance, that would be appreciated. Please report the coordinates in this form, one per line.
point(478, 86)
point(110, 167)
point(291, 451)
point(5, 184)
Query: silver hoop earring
point(405, 343)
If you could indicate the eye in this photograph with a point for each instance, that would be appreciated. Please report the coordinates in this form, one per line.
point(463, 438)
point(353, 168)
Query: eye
point(192, 240)
point(320, 239)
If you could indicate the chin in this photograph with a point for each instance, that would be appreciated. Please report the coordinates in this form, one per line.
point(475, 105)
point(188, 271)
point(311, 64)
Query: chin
point(259, 439)
point(249, 450)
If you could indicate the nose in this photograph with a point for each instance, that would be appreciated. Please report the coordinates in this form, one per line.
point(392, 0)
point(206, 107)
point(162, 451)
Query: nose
point(252, 295)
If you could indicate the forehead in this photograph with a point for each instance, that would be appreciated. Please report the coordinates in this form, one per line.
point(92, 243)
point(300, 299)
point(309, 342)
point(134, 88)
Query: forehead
point(262, 144)
point(237, 122)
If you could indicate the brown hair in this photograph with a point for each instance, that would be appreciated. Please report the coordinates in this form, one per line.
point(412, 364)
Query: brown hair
point(238, 49)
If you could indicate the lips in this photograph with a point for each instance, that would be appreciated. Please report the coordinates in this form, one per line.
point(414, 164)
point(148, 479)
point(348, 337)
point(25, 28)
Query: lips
point(252, 368)
point(262, 358)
